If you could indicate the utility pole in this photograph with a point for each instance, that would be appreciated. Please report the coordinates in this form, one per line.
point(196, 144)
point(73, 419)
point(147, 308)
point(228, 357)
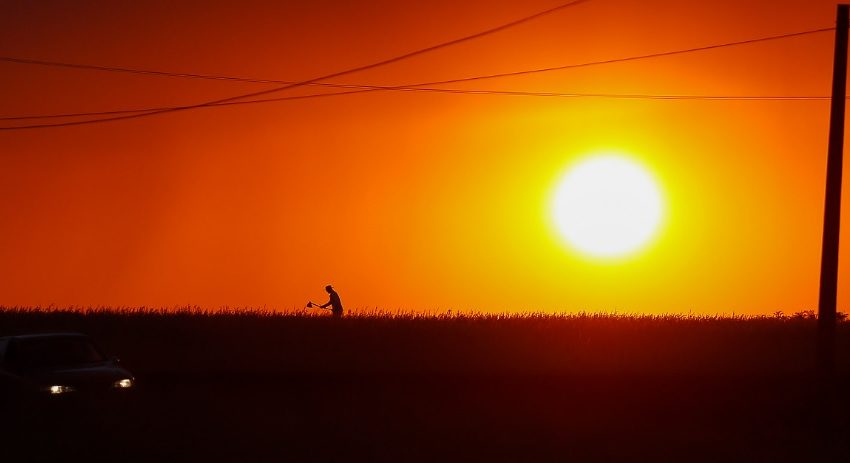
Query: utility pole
point(832, 208)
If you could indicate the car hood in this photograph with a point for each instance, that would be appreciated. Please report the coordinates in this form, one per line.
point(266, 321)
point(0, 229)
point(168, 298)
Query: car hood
point(93, 374)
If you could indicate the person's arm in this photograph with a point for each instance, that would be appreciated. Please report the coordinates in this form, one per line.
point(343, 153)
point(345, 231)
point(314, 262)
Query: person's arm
point(325, 306)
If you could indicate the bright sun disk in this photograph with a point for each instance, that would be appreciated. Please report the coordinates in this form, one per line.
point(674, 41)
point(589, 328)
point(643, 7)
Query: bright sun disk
point(607, 206)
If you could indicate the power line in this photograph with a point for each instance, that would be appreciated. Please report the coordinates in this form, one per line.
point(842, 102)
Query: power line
point(161, 108)
point(288, 86)
point(638, 57)
point(451, 81)
point(619, 96)
point(622, 96)
point(419, 87)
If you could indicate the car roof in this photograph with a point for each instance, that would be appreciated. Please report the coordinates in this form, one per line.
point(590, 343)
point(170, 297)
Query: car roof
point(24, 337)
point(4, 341)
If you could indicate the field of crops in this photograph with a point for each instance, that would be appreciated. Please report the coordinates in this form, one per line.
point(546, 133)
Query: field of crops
point(252, 385)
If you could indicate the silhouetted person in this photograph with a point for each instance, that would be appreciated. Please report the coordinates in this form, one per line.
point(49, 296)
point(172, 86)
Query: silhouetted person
point(334, 302)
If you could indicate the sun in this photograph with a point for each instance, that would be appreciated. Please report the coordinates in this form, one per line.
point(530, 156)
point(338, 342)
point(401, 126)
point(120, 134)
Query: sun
point(607, 206)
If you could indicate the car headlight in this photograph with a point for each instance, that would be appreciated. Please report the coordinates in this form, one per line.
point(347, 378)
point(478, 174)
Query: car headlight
point(123, 383)
point(59, 389)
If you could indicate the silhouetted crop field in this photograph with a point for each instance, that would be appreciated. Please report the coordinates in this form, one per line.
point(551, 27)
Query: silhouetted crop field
point(245, 386)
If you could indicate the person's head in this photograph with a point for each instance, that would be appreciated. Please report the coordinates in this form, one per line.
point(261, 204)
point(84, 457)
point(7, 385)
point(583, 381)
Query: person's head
point(329, 289)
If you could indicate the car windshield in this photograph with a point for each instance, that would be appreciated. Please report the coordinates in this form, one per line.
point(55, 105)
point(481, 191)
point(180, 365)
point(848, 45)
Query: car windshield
point(52, 351)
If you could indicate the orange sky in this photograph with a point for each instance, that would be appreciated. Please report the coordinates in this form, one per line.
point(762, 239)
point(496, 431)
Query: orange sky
point(410, 200)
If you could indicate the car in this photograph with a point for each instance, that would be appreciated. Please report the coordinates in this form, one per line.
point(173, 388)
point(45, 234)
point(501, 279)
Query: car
point(59, 365)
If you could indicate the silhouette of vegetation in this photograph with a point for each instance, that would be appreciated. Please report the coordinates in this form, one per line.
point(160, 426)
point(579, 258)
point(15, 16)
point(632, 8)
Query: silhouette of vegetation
point(236, 384)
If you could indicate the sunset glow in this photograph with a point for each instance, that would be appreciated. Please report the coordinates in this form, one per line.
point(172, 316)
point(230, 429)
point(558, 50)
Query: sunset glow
point(423, 198)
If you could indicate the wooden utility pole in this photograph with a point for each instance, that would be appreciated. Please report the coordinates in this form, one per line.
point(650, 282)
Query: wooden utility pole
point(832, 209)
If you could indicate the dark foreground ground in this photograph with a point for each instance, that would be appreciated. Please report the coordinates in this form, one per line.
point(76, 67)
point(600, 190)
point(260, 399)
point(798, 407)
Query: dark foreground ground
point(584, 389)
